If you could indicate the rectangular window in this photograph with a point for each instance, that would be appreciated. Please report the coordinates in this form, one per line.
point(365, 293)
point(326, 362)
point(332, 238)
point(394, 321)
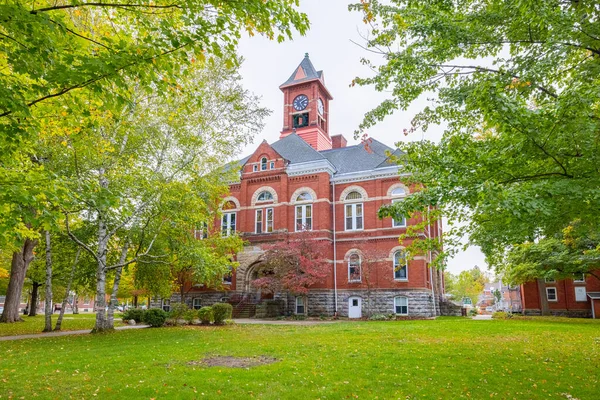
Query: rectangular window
point(401, 223)
point(201, 232)
point(304, 218)
point(354, 217)
point(272, 165)
point(228, 224)
point(354, 273)
point(300, 309)
point(86, 301)
point(166, 305)
point(400, 266)
point(264, 221)
point(401, 305)
point(579, 278)
point(269, 220)
point(551, 294)
point(197, 304)
point(259, 221)
point(580, 293)
point(255, 168)
point(228, 278)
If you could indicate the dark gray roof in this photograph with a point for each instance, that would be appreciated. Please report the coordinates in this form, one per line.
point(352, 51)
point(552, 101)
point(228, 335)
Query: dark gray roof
point(309, 71)
point(236, 164)
point(345, 159)
point(358, 158)
point(296, 150)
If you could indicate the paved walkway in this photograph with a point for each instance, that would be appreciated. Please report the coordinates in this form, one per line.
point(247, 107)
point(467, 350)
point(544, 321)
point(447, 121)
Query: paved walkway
point(482, 317)
point(281, 322)
point(65, 333)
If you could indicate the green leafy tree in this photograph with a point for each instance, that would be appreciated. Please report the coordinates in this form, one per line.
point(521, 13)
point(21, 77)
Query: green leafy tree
point(575, 251)
point(150, 172)
point(467, 284)
point(515, 85)
point(71, 67)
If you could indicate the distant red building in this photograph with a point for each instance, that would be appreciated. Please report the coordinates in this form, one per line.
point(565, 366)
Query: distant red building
point(578, 297)
point(311, 180)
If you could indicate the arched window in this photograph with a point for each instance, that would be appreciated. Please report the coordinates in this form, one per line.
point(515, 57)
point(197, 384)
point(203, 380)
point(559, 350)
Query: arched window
point(304, 196)
point(398, 223)
point(354, 274)
point(229, 205)
point(265, 196)
point(401, 305)
point(304, 213)
point(263, 164)
point(399, 192)
point(228, 219)
point(354, 212)
point(400, 266)
point(354, 196)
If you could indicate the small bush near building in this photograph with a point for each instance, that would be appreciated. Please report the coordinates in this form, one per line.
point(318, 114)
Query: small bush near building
point(502, 315)
point(189, 316)
point(378, 317)
point(155, 317)
point(136, 314)
point(221, 312)
point(178, 311)
point(205, 314)
point(473, 312)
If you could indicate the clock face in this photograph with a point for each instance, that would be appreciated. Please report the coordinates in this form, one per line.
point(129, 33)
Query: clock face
point(320, 106)
point(300, 102)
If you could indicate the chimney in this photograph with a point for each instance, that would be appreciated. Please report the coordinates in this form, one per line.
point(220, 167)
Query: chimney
point(338, 141)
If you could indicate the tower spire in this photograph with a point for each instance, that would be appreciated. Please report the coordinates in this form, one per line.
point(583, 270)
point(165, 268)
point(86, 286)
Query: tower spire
point(306, 105)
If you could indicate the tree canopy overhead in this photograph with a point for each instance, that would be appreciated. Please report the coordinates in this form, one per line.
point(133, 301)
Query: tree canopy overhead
point(111, 110)
point(49, 48)
point(516, 83)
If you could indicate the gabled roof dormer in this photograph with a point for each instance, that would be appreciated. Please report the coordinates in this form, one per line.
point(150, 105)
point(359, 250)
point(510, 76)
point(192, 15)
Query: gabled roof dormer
point(265, 158)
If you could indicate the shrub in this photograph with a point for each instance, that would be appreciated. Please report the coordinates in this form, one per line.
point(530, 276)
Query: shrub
point(189, 316)
point(473, 312)
point(501, 315)
point(155, 317)
point(221, 312)
point(206, 315)
point(136, 314)
point(378, 317)
point(177, 312)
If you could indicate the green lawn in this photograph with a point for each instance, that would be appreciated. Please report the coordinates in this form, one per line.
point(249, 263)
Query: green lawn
point(36, 324)
point(444, 359)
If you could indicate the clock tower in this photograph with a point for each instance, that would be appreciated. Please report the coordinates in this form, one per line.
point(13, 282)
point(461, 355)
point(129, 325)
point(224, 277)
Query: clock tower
point(306, 106)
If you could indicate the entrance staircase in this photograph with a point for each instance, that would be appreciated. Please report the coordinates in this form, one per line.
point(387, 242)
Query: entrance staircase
point(243, 307)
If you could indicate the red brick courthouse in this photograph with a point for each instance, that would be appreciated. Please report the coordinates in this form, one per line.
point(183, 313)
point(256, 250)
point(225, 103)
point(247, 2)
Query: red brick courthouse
point(309, 179)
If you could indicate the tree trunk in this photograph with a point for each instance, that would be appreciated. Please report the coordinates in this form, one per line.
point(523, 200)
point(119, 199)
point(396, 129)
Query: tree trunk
point(544, 308)
point(19, 264)
point(135, 301)
point(67, 291)
point(113, 297)
point(75, 305)
point(100, 304)
point(48, 303)
point(34, 299)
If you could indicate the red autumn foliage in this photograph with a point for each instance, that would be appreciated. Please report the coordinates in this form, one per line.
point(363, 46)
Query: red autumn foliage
point(293, 264)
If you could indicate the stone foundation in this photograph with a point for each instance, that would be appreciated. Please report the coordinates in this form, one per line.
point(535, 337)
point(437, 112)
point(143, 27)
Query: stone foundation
point(449, 308)
point(321, 302)
point(560, 313)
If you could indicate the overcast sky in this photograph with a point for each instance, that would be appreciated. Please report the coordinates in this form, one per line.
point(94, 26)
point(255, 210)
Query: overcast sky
point(329, 43)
